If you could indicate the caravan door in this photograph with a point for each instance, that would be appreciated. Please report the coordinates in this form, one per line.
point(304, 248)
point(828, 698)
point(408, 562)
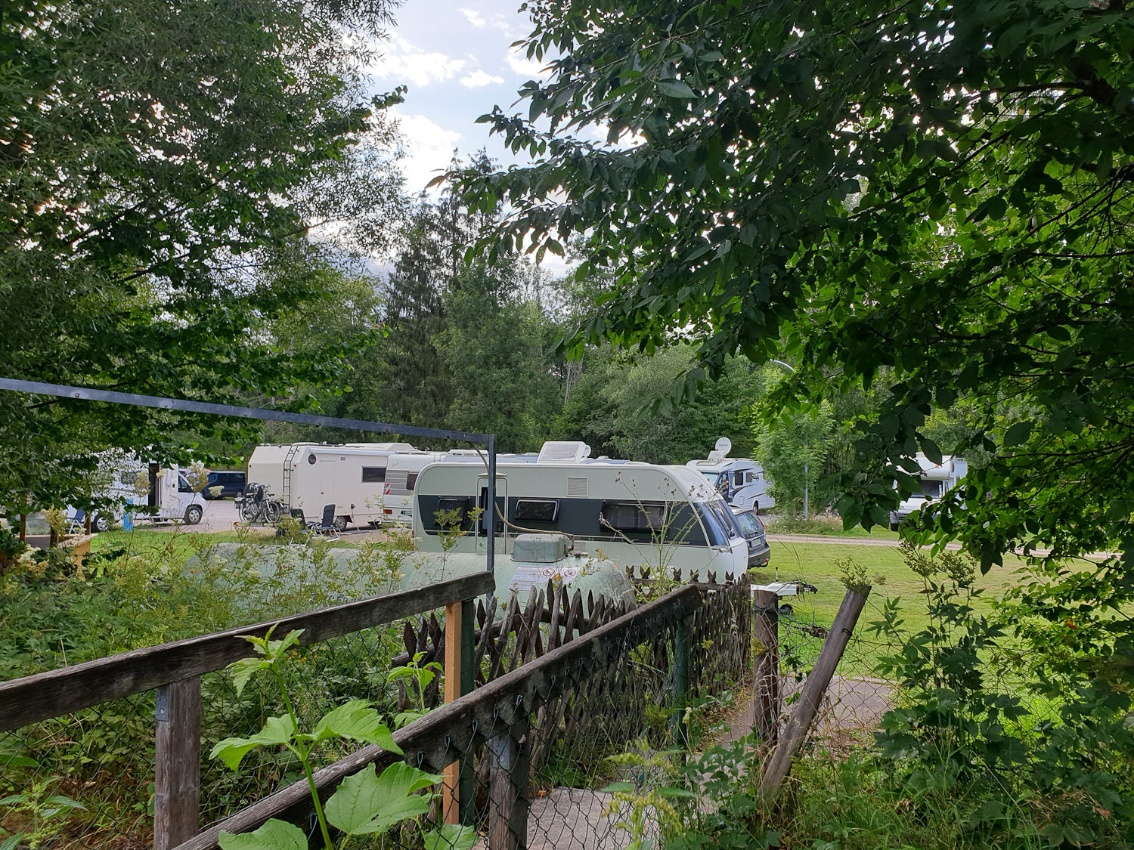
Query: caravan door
point(502, 536)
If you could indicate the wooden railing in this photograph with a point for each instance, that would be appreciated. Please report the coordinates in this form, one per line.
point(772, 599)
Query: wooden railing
point(498, 712)
point(174, 670)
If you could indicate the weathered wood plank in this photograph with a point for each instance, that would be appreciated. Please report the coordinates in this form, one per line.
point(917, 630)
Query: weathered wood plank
point(811, 695)
point(177, 775)
point(507, 789)
point(436, 739)
point(63, 691)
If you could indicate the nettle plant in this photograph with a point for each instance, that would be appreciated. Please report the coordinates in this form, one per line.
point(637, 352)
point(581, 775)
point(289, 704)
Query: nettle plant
point(365, 804)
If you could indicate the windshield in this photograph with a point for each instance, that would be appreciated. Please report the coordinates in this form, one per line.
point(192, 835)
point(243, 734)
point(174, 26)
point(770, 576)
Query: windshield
point(748, 523)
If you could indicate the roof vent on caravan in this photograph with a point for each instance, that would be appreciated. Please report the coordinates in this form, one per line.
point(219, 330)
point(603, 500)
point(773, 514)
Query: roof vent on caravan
point(563, 451)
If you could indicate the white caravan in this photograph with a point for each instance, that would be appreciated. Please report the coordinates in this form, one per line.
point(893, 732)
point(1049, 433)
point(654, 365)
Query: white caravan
point(633, 514)
point(308, 477)
point(740, 480)
point(936, 479)
point(156, 494)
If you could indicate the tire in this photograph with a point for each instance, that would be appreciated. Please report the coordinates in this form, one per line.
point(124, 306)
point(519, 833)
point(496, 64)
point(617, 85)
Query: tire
point(340, 523)
point(193, 514)
point(102, 522)
point(247, 510)
point(272, 512)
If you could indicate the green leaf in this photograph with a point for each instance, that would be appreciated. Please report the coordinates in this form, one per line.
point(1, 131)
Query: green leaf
point(676, 88)
point(356, 721)
point(367, 803)
point(243, 670)
point(273, 835)
point(1018, 433)
point(452, 836)
point(278, 731)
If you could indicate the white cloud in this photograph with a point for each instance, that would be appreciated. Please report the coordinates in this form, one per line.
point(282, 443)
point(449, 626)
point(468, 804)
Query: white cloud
point(479, 79)
point(429, 148)
point(475, 18)
point(403, 62)
point(529, 69)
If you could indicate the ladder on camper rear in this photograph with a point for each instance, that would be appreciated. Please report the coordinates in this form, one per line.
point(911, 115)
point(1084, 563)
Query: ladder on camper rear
point(285, 496)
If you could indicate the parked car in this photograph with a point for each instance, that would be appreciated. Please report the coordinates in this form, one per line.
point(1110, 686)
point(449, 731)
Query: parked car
point(759, 553)
point(231, 483)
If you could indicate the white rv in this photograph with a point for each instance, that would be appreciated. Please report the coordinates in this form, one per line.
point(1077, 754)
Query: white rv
point(309, 476)
point(741, 481)
point(144, 492)
point(935, 480)
point(633, 514)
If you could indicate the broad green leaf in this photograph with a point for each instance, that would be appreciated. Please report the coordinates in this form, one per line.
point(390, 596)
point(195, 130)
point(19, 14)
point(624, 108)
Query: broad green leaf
point(278, 731)
point(367, 803)
point(357, 721)
point(451, 836)
point(273, 835)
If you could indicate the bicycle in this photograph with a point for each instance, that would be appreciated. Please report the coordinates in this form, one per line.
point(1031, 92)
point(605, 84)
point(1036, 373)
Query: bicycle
point(257, 505)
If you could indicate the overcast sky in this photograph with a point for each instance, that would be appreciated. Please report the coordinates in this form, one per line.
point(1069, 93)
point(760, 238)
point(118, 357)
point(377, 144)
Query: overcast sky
point(455, 58)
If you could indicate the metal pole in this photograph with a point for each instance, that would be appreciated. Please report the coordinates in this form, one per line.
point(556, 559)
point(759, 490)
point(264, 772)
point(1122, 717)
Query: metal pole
point(491, 506)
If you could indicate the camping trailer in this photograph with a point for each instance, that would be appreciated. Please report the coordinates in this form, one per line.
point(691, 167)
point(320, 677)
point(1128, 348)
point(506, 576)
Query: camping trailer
point(740, 480)
point(144, 492)
point(633, 514)
point(935, 480)
point(309, 476)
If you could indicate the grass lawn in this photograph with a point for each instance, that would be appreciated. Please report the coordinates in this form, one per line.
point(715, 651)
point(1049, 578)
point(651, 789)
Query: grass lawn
point(819, 564)
point(825, 526)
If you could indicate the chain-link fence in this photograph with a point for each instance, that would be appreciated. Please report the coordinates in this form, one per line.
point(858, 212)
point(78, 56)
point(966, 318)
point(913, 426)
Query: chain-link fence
point(86, 778)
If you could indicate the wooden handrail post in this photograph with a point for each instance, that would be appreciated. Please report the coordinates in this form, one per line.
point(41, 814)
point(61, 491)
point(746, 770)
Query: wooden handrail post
point(766, 666)
point(450, 800)
point(507, 788)
point(177, 763)
point(456, 801)
point(814, 686)
point(680, 683)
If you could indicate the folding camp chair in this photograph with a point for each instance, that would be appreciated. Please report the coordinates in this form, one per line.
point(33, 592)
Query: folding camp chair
point(326, 525)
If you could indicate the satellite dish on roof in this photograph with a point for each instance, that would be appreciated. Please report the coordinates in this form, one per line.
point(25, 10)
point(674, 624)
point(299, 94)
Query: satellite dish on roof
point(723, 447)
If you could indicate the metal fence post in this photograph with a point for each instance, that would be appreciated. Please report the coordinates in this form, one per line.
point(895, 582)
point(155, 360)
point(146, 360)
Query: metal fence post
point(177, 763)
point(766, 667)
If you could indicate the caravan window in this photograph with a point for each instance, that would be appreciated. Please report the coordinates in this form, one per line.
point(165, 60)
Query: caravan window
point(450, 505)
point(536, 510)
point(373, 474)
point(751, 477)
point(738, 479)
point(411, 481)
point(635, 516)
point(183, 485)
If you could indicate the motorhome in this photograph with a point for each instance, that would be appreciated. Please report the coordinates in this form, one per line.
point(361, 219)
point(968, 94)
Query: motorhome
point(740, 480)
point(934, 481)
point(144, 492)
point(306, 477)
point(633, 514)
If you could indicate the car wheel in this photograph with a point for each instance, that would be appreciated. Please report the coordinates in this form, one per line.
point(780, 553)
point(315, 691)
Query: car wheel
point(193, 514)
point(102, 522)
point(340, 523)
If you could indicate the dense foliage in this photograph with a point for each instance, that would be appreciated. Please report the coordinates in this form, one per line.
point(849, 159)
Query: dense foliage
point(158, 163)
point(943, 189)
